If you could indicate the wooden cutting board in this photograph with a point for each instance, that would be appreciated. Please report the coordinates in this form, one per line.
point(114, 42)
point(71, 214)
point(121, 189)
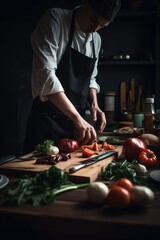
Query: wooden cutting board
point(19, 167)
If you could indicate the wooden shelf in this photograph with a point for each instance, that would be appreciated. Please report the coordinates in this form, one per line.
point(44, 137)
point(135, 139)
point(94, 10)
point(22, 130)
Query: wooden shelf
point(130, 62)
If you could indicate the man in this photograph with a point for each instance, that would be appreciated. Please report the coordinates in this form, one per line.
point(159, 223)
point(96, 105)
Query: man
point(66, 47)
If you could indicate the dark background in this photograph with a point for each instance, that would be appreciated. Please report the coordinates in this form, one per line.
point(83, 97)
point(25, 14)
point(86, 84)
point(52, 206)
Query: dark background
point(134, 32)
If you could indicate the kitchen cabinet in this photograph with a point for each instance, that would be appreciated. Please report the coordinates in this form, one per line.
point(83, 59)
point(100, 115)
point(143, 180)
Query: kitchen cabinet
point(130, 50)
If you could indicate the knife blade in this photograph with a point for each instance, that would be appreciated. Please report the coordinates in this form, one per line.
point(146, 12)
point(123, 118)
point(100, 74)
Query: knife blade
point(93, 160)
point(7, 158)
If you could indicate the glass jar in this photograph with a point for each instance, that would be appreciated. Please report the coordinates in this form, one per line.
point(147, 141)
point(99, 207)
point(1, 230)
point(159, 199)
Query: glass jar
point(109, 106)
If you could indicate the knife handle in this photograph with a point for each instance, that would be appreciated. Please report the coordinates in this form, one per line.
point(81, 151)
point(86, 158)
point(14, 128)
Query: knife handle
point(76, 168)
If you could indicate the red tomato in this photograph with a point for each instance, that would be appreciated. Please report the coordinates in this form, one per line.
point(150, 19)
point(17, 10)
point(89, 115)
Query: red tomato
point(118, 197)
point(125, 183)
point(67, 145)
point(132, 148)
point(87, 152)
point(147, 158)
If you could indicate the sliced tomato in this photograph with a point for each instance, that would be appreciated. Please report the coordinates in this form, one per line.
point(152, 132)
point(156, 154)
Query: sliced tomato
point(86, 152)
point(96, 147)
point(86, 146)
point(107, 146)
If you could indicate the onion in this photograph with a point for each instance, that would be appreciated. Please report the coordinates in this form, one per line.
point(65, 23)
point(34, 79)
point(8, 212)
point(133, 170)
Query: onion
point(97, 192)
point(141, 195)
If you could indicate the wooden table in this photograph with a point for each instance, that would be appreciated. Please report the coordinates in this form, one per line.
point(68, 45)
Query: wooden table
point(71, 216)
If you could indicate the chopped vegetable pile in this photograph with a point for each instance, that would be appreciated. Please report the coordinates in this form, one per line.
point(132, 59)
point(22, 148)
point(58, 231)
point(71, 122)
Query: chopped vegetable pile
point(40, 189)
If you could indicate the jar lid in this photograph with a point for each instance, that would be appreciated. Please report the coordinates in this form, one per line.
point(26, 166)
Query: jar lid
point(149, 100)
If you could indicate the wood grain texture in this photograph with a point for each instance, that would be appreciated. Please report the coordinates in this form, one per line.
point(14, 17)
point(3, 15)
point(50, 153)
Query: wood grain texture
point(19, 167)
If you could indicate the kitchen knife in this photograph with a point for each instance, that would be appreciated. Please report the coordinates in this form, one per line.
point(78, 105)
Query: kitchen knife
point(7, 158)
point(93, 160)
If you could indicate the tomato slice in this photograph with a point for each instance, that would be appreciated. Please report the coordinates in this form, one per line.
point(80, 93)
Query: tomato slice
point(86, 146)
point(96, 147)
point(107, 146)
point(86, 152)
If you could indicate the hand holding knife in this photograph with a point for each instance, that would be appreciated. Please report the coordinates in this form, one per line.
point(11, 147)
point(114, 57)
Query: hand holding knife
point(93, 160)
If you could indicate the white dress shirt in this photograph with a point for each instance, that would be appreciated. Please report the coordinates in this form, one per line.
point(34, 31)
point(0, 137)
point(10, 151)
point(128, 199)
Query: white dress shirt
point(49, 41)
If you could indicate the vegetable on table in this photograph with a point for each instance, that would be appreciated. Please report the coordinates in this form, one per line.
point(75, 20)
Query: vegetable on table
point(45, 149)
point(125, 183)
point(118, 197)
point(147, 158)
point(132, 148)
point(53, 159)
point(86, 152)
point(141, 195)
point(67, 145)
point(122, 168)
point(107, 146)
point(41, 189)
point(150, 139)
point(97, 192)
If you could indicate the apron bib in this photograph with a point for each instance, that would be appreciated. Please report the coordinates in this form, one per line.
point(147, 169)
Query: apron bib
point(46, 121)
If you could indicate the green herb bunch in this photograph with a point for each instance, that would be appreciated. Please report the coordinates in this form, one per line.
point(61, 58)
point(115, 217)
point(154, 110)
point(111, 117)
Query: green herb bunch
point(40, 189)
point(122, 168)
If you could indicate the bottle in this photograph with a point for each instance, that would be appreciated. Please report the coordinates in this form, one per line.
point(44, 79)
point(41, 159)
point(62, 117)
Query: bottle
point(109, 106)
point(149, 115)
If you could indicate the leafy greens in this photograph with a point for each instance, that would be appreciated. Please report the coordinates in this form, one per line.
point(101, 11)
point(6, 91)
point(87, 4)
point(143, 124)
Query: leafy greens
point(122, 168)
point(40, 189)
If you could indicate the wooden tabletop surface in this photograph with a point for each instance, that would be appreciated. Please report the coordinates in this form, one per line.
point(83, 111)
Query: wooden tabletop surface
point(72, 216)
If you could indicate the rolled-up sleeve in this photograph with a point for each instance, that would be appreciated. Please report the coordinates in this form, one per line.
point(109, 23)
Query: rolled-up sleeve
point(93, 83)
point(45, 46)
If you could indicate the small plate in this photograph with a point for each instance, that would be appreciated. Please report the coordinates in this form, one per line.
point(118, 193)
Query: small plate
point(155, 175)
point(123, 131)
point(3, 181)
point(112, 139)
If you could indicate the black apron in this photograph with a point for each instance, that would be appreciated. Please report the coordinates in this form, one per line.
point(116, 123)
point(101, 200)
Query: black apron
point(46, 121)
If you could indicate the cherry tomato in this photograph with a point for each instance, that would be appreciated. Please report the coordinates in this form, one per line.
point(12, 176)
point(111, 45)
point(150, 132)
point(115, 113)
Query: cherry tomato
point(125, 183)
point(147, 158)
point(132, 148)
point(118, 197)
point(67, 145)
